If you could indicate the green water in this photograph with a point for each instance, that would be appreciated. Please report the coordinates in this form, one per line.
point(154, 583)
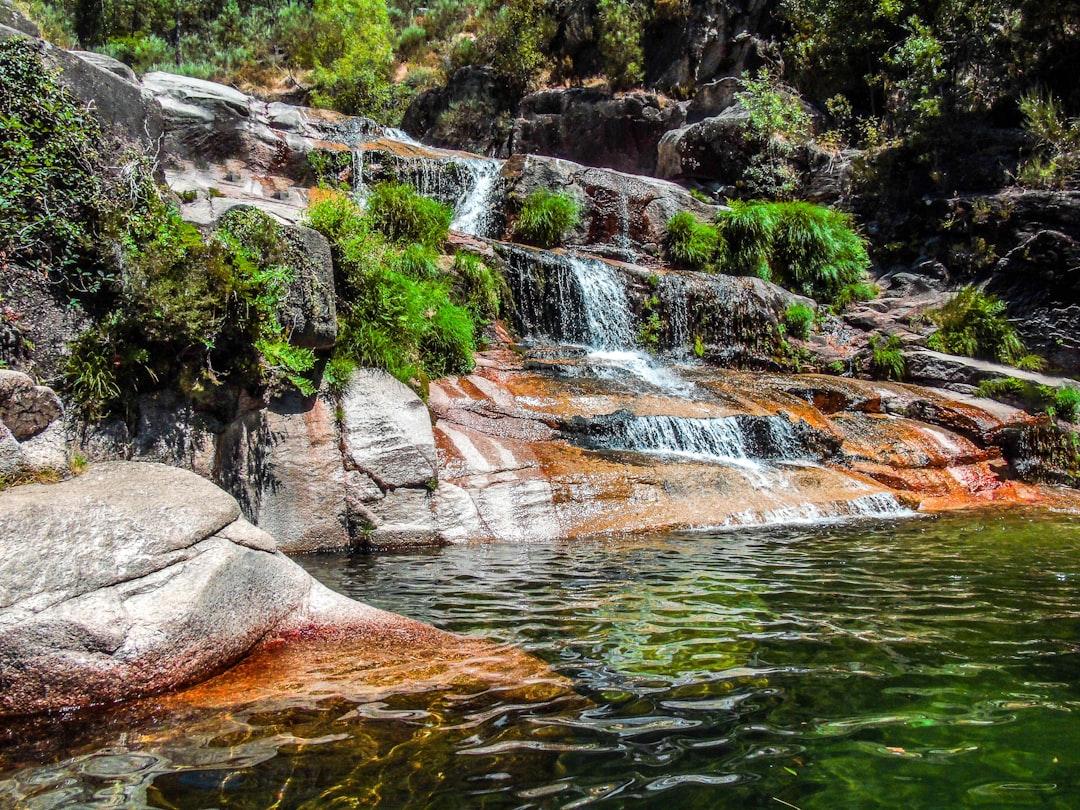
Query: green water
point(929, 663)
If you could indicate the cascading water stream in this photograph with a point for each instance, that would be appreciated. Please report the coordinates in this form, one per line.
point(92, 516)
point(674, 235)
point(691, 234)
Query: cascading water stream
point(475, 209)
point(610, 328)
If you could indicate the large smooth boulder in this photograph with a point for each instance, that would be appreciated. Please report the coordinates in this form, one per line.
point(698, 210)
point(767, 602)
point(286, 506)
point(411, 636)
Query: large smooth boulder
point(207, 121)
point(136, 578)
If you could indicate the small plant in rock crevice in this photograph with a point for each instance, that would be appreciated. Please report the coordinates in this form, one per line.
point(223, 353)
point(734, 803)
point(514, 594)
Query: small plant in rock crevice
point(546, 216)
point(887, 357)
point(974, 324)
point(798, 318)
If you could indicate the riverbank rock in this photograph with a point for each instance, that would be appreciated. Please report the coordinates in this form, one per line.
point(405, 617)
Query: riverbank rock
point(595, 127)
point(119, 104)
point(136, 578)
point(32, 439)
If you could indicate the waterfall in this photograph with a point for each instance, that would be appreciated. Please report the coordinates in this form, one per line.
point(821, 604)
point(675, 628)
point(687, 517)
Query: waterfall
point(673, 292)
point(606, 310)
point(743, 440)
point(476, 207)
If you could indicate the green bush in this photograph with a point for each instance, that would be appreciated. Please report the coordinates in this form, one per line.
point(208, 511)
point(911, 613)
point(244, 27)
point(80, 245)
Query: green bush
point(546, 216)
point(411, 40)
point(404, 216)
point(57, 201)
point(1057, 158)
point(392, 316)
point(418, 261)
point(620, 43)
point(887, 357)
point(974, 324)
point(694, 244)
point(849, 294)
point(1067, 403)
point(774, 108)
point(477, 287)
point(1063, 402)
point(798, 318)
point(811, 249)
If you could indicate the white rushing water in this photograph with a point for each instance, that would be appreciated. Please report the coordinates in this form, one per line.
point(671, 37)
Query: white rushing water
point(718, 439)
point(475, 208)
point(610, 333)
point(881, 505)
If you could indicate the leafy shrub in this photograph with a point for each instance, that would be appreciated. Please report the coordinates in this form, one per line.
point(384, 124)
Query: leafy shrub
point(808, 248)
point(477, 287)
point(974, 324)
point(390, 319)
point(546, 216)
point(512, 40)
point(849, 294)
point(620, 43)
point(887, 357)
point(142, 52)
point(402, 215)
point(1067, 403)
point(418, 261)
point(1057, 158)
point(56, 201)
point(774, 108)
point(411, 40)
point(694, 244)
point(798, 318)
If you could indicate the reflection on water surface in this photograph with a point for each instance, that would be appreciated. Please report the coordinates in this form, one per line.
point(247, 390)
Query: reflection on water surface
point(918, 664)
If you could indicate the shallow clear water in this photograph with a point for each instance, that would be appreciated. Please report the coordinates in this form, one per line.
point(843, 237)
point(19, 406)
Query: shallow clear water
point(927, 663)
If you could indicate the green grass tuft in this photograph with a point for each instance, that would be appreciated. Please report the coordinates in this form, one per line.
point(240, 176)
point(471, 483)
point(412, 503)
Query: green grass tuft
point(545, 218)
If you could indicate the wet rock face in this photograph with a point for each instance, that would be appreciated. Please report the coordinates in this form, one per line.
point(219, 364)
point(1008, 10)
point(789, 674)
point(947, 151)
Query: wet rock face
point(595, 128)
point(1040, 451)
point(625, 216)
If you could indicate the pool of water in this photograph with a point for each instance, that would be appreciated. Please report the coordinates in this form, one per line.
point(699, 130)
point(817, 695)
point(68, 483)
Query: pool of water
point(925, 663)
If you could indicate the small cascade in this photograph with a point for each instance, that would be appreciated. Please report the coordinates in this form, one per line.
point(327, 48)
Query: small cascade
point(673, 293)
point(880, 506)
point(359, 186)
point(476, 208)
point(741, 440)
point(401, 136)
point(606, 310)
